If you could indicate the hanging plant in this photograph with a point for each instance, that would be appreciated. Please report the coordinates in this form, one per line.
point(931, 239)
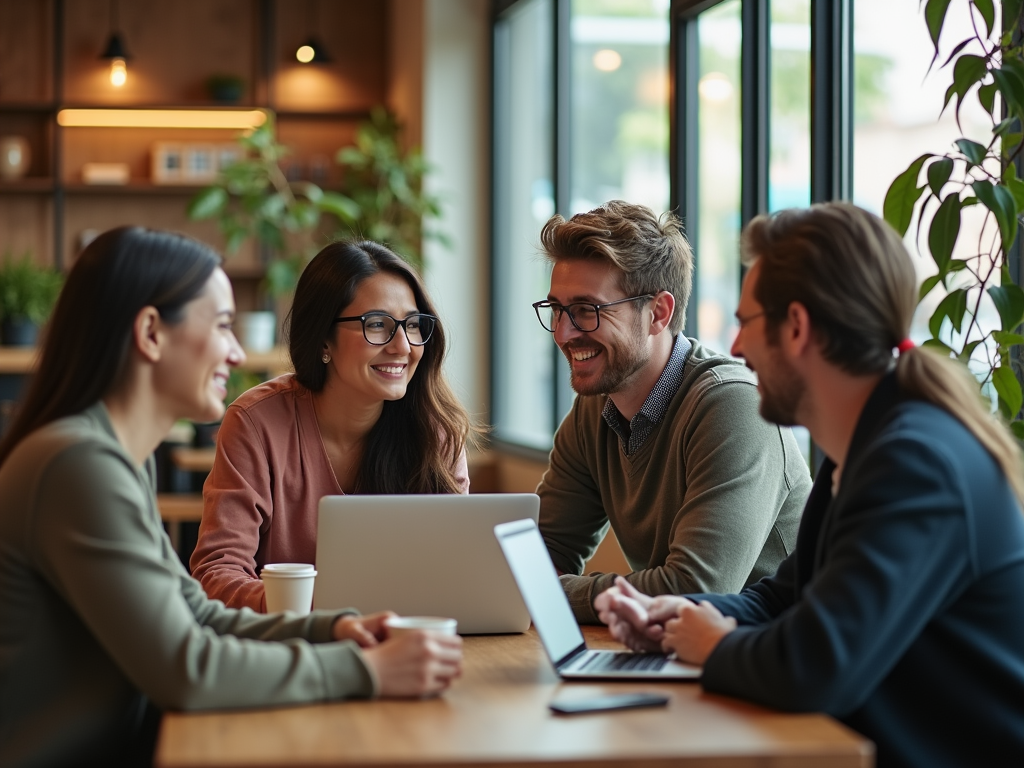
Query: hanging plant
point(986, 65)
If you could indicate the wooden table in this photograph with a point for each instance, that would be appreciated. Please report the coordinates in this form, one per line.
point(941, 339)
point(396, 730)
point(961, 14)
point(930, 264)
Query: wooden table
point(497, 715)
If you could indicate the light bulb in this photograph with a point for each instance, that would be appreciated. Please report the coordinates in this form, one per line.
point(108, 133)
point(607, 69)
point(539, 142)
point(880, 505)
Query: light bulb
point(118, 72)
point(305, 54)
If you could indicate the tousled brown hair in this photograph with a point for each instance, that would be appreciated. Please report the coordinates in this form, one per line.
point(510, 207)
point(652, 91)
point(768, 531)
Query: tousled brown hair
point(651, 254)
point(853, 274)
point(417, 440)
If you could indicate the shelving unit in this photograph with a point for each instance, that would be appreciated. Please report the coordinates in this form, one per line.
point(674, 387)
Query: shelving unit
point(49, 60)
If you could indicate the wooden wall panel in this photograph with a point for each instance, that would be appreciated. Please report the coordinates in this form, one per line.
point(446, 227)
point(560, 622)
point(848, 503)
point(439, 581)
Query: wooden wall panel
point(113, 208)
point(26, 51)
point(26, 224)
point(174, 47)
point(355, 36)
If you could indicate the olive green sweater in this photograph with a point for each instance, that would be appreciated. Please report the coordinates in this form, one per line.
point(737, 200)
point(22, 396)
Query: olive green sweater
point(97, 613)
point(709, 503)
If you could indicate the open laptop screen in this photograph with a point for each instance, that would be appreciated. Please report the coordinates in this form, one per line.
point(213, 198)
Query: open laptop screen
point(538, 582)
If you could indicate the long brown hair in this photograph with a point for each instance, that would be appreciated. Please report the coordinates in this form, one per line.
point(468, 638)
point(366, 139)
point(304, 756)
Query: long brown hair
point(87, 341)
point(417, 440)
point(853, 274)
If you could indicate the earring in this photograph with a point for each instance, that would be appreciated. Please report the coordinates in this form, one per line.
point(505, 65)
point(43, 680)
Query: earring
point(326, 358)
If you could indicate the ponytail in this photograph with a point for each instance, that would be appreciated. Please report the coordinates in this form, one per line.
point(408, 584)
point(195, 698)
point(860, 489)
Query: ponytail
point(923, 374)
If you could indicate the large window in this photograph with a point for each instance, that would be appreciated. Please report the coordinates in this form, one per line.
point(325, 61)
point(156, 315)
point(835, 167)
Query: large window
point(774, 104)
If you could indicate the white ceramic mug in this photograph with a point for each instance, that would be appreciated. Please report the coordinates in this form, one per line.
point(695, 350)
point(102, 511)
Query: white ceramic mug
point(400, 625)
point(288, 587)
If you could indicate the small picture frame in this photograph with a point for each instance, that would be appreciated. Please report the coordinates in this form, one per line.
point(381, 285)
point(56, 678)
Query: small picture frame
point(168, 163)
point(200, 164)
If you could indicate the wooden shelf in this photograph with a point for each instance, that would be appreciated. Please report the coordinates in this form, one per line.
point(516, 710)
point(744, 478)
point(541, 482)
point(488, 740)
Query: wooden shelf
point(20, 360)
point(30, 186)
point(17, 359)
point(138, 187)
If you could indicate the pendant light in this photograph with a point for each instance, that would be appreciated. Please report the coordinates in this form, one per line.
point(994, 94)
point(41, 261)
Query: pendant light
point(311, 51)
point(115, 52)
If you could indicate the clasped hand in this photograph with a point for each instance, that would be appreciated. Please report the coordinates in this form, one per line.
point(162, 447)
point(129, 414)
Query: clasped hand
point(664, 623)
point(414, 664)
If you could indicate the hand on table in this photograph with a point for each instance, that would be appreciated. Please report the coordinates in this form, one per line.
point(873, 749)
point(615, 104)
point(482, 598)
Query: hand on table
point(416, 664)
point(368, 631)
point(634, 619)
point(695, 632)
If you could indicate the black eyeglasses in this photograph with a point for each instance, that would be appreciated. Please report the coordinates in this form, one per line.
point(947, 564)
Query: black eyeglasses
point(584, 316)
point(379, 328)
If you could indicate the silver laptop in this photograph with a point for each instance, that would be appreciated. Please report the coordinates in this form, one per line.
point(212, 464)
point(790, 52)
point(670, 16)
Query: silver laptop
point(560, 635)
point(429, 555)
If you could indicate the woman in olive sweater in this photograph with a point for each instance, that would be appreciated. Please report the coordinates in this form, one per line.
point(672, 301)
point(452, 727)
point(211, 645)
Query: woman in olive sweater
point(102, 627)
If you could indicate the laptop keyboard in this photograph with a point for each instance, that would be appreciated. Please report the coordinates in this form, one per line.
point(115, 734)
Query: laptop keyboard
point(621, 662)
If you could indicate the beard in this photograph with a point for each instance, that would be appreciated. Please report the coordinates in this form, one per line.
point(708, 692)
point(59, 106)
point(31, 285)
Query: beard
point(782, 389)
point(621, 364)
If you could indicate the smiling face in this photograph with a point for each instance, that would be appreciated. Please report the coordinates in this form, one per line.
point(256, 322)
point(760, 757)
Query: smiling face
point(780, 385)
point(611, 358)
point(201, 349)
point(365, 373)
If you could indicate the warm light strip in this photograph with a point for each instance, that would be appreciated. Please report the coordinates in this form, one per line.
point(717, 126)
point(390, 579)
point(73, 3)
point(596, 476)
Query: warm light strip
point(161, 118)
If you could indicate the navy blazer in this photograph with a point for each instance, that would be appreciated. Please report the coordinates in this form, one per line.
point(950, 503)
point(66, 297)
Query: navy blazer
point(901, 610)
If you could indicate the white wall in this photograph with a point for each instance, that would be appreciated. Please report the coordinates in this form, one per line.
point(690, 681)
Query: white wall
point(454, 124)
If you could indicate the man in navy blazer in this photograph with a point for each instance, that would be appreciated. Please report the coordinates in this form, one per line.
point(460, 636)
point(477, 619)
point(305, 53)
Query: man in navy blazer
point(901, 611)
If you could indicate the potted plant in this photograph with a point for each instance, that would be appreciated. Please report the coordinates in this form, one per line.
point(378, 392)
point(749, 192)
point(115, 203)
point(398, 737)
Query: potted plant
point(27, 295)
point(252, 198)
point(386, 184)
point(988, 63)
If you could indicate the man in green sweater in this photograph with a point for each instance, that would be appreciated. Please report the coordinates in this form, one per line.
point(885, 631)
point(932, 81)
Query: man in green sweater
point(664, 442)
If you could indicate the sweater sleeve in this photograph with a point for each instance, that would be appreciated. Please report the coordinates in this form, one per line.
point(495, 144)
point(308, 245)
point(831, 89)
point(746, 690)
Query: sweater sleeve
point(898, 550)
point(237, 507)
point(572, 516)
point(99, 543)
point(735, 470)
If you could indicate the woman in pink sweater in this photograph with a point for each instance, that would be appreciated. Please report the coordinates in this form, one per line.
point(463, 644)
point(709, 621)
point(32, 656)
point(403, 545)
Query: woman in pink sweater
point(367, 411)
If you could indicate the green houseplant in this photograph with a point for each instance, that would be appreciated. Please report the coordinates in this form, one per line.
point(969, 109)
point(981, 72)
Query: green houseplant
point(985, 65)
point(27, 295)
point(386, 183)
point(381, 198)
point(252, 198)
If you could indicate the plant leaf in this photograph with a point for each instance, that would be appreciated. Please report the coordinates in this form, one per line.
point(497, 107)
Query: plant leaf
point(954, 306)
point(1008, 388)
point(928, 285)
point(1007, 339)
point(935, 16)
point(1017, 427)
point(987, 97)
point(973, 151)
point(342, 206)
point(944, 230)
point(902, 196)
point(1000, 201)
point(208, 203)
point(1009, 301)
point(968, 350)
point(939, 173)
point(988, 13)
point(1011, 89)
point(1016, 187)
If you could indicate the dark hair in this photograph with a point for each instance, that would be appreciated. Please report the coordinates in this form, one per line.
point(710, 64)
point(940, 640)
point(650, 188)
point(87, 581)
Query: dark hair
point(417, 440)
point(87, 341)
point(651, 253)
point(852, 273)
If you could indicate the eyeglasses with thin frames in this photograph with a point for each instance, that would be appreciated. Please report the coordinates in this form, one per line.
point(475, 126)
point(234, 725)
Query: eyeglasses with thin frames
point(379, 328)
point(742, 321)
point(584, 315)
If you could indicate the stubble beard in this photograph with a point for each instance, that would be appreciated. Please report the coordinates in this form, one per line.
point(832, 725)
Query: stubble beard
point(630, 357)
point(782, 389)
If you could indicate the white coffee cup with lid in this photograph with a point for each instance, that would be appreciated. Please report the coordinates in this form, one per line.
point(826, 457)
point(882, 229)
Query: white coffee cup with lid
point(288, 587)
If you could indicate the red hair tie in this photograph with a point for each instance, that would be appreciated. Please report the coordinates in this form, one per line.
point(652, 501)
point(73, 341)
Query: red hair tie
point(905, 346)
